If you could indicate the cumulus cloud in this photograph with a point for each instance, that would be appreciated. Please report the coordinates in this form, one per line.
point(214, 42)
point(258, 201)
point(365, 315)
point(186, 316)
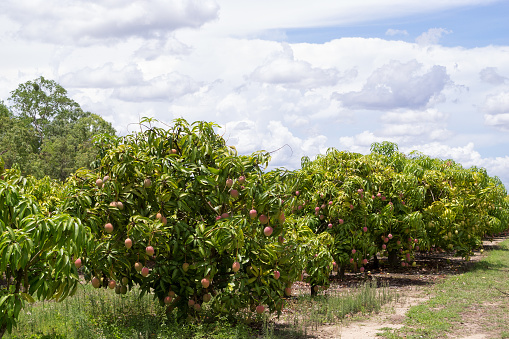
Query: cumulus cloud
point(496, 111)
point(162, 88)
point(491, 76)
point(361, 143)
point(397, 85)
point(107, 76)
point(153, 49)
point(500, 121)
point(286, 148)
point(88, 22)
point(285, 70)
point(497, 103)
point(412, 126)
point(392, 32)
point(432, 36)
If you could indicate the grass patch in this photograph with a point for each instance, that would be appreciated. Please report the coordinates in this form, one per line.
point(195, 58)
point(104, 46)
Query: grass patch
point(474, 301)
point(311, 312)
point(99, 313)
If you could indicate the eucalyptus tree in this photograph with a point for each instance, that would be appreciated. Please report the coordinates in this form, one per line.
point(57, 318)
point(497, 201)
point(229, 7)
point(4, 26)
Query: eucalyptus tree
point(45, 132)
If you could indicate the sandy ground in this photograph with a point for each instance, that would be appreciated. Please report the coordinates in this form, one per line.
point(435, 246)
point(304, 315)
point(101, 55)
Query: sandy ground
point(412, 286)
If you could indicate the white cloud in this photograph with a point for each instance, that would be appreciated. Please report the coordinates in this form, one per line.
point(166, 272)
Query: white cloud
point(156, 48)
point(500, 121)
point(397, 85)
point(392, 32)
point(491, 76)
point(496, 109)
point(361, 143)
point(415, 126)
point(251, 17)
point(88, 22)
point(432, 36)
point(294, 73)
point(107, 76)
point(205, 64)
point(286, 149)
point(162, 88)
point(497, 103)
point(414, 117)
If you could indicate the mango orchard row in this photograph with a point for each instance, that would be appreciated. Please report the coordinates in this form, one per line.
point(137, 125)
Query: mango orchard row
point(179, 213)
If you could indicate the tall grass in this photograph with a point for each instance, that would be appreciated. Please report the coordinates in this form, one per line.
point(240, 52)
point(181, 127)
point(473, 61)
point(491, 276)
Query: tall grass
point(333, 308)
point(99, 313)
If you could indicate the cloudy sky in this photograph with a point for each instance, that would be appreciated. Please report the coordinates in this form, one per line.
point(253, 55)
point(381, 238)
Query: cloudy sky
point(289, 75)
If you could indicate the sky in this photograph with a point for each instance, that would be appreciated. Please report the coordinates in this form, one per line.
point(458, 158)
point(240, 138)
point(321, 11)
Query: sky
point(290, 76)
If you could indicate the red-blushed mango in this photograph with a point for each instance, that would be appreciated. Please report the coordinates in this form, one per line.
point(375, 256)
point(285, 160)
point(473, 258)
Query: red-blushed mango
point(205, 282)
point(77, 263)
point(229, 182)
point(138, 266)
point(128, 243)
point(96, 282)
point(108, 228)
point(147, 183)
point(236, 266)
point(268, 231)
point(263, 219)
point(144, 271)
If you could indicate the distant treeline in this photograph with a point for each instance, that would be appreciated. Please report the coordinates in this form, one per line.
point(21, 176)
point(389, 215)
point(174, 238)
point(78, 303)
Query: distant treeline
point(45, 133)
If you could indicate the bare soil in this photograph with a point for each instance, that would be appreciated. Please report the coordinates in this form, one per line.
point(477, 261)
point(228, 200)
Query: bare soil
point(412, 285)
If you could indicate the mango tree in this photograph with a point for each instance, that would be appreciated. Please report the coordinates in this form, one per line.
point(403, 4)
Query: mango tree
point(179, 213)
point(36, 250)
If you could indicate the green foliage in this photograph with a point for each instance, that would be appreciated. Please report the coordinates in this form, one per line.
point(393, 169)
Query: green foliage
point(186, 194)
point(386, 148)
point(36, 248)
point(385, 203)
point(202, 208)
point(47, 133)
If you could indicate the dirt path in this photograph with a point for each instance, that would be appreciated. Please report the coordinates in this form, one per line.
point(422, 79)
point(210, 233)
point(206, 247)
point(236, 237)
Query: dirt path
point(412, 287)
point(393, 317)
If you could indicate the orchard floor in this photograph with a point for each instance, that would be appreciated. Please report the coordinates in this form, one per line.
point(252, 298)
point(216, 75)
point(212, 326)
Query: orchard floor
point(412, 286)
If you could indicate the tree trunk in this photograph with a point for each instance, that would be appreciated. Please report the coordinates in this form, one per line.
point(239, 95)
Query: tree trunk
point(376, 263)
point(313, 292)
point(2, 330)
point(393, 258)
point(341, 272)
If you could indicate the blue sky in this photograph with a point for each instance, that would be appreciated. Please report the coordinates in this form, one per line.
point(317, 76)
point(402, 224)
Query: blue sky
point(471, 26)
point(429, 75)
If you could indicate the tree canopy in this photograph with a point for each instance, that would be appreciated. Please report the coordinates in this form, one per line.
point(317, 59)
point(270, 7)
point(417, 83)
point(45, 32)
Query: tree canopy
point(45, 132)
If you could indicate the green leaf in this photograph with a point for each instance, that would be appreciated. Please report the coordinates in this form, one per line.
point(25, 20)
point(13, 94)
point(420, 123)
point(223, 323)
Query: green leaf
point(27, 297)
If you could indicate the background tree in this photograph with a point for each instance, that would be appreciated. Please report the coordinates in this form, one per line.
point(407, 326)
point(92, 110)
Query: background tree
point(47, 133)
